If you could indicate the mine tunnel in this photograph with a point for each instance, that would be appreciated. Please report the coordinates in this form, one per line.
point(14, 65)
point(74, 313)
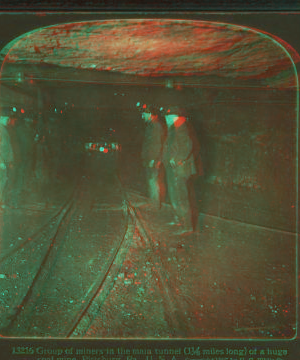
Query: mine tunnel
point(245, 135)
point(76, 133)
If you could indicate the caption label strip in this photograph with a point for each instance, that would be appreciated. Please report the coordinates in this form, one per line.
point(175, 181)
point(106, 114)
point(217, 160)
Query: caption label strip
point(120, 353)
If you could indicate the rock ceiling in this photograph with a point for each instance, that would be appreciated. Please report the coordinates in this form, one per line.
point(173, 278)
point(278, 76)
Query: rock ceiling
point(157, 48)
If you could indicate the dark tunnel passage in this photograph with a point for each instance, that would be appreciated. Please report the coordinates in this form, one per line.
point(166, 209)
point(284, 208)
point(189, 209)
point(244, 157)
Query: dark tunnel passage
point(238, 87)
point(246, 137)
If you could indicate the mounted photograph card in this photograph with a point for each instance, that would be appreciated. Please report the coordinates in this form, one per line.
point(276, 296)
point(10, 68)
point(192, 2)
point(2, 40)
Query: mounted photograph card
point(149, 185)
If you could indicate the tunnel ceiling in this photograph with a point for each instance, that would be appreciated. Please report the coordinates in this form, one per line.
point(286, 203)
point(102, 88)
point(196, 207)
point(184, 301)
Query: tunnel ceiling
point(152, 48)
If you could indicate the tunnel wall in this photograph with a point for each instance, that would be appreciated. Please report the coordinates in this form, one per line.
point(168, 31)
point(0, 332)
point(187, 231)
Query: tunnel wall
point(248, 139)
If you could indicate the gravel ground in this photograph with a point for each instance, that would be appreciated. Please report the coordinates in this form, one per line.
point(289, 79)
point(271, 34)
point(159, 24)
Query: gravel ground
point(228, 280)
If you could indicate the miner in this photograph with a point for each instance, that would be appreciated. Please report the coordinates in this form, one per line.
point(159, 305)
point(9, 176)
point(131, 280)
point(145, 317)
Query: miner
point(152, 152)
point(6, 154)
point(182, 162)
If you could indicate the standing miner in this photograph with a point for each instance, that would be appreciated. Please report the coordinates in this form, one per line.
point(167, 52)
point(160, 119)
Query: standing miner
point(6, 155)
point(23, 145)
point(152, 152)
point(182, 161)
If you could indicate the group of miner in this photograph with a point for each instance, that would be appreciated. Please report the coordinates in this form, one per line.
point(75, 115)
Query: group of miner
point(171, 157)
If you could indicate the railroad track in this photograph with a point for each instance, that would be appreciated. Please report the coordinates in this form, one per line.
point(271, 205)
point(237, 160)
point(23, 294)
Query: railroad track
point(100, 288)
point(173, 309)
point(48, 231)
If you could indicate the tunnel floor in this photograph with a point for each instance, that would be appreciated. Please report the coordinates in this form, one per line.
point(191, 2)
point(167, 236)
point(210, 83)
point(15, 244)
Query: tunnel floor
point(226, 280)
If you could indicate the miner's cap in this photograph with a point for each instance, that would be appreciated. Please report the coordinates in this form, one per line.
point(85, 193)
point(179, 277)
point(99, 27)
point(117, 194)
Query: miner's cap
point(174, 110)
point(148, 108)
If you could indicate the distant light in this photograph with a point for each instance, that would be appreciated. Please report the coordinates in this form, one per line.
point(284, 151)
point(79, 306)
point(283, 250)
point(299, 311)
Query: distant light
point(61, 111)
point(138, 104)
point(102, 148)
point(169, 84)
point(105, 150)
point(14, 109)
point(22, 111)
point(20, 77)
point(55, 110)
point(144, 106)
point(161, 108)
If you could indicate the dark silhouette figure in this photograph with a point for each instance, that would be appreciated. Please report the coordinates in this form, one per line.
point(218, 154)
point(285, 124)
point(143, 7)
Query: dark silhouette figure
point(182, 162)
point(152, 152)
